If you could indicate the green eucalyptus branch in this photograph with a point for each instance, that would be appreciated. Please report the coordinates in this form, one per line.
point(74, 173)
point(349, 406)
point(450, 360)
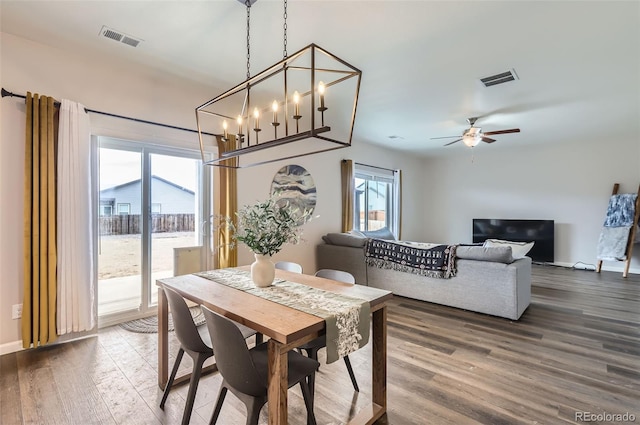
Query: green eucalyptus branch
point(266, 226)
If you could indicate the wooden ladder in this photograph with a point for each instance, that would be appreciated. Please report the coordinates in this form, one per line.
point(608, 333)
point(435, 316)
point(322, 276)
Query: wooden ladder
point(632, 234)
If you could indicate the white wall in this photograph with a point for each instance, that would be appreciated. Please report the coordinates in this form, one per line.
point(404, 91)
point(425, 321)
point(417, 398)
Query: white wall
point(567, 182)
point(127, 90)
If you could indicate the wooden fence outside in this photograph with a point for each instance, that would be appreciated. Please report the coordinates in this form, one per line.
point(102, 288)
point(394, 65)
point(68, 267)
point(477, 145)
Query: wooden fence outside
point(160, 223)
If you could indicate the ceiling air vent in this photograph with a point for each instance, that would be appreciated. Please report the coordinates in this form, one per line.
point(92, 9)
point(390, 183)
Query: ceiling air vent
point(130, 41)
point(119, 36)
point(112, 35)
point(499, 78)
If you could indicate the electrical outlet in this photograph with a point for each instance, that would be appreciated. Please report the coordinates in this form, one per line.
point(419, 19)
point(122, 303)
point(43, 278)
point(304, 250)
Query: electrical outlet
point(16, 311)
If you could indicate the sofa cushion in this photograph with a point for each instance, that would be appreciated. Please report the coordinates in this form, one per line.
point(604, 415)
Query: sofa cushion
point(518, 249)
point(383, 233)
point(344, 239)
point(498, 254)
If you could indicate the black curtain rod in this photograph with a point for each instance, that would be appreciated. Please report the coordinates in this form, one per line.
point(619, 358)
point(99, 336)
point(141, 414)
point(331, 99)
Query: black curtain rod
point(6, 93)
point(373, 166)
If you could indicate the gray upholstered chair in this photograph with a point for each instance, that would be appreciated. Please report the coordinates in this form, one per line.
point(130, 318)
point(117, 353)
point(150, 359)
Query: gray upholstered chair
point(338, 275)
point(289, 266)
point(311, 348)
point(195, 341)
point(245, 371)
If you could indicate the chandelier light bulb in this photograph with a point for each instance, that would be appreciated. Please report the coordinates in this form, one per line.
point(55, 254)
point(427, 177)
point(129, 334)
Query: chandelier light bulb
point(224, 127)
point(256, 115)
point(274, 108)
point(321, 89)
point(296, 101)
point(239, 121)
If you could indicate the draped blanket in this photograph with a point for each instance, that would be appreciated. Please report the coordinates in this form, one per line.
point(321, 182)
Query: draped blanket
point(612, 244)
point(621, 210)
point(424, 259)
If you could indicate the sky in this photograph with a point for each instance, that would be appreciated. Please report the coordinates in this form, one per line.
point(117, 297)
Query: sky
point(117, 167)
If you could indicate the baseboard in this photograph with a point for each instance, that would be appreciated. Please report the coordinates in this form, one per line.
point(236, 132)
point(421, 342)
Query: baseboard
point(632, 270)
point(591, 267)
point(11, 347)
point(15, 346)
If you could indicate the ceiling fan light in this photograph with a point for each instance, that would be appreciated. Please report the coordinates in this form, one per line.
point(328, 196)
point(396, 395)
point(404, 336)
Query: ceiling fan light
point(471, 140)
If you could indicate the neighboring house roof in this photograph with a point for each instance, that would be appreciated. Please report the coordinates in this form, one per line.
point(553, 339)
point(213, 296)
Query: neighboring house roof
point(374, 189)
point(153, 177)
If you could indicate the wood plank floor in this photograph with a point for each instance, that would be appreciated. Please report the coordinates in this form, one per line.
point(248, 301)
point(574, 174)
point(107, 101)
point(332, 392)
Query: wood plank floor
point(576, 349)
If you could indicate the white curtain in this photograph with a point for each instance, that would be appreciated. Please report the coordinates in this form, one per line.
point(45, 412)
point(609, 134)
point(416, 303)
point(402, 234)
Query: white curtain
point(76, 311)
point(397, 202)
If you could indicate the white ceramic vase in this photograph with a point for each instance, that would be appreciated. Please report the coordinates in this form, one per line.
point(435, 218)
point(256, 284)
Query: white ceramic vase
point(263, 271)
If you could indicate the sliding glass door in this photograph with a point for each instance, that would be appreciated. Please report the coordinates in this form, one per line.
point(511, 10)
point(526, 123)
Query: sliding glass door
point(152, 200)
point(174, 213)
point(119, 231)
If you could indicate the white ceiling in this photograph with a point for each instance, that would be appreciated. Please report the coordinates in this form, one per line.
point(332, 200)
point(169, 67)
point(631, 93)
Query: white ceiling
point(578, 62)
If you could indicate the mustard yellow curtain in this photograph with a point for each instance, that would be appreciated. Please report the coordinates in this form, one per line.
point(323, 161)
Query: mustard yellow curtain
point(225, 203)
point(348, 193)
point(40, 286)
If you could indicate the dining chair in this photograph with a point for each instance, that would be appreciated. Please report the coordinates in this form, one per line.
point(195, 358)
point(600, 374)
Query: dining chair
point(196, 342)
point(338, 275)
point(289, 266)
point(244, 371)
point(312, 347)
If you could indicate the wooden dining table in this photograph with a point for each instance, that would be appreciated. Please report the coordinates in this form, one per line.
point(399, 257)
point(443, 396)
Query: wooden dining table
point(285, 327)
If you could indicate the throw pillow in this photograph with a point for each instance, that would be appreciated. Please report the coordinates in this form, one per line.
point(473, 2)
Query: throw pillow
point(344, 239)
point(383, 233)
point(518, 249)
point(499, 254)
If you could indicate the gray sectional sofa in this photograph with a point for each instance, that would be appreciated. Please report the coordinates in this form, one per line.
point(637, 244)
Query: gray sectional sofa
point(488, 279)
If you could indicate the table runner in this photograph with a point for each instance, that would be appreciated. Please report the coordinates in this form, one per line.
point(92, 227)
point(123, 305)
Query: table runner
point(347, 318)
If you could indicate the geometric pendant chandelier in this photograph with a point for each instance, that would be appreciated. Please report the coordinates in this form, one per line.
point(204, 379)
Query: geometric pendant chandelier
point(302, 105)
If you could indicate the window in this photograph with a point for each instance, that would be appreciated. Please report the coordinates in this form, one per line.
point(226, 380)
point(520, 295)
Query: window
point(376, 203)
point(156, 208)
point(124, 209)
point(106, 210)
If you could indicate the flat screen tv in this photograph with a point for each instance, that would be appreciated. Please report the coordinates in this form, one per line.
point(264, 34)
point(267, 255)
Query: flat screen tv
point(541, 232)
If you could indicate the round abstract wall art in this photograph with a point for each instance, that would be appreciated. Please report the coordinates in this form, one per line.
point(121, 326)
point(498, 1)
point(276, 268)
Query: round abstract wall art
point(294, 184)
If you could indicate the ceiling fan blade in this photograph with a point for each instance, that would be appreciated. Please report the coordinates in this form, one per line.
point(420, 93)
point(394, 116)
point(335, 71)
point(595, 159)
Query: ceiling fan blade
point(512, 130)
point(444, 137)
point(488, 140)
point(451, 143)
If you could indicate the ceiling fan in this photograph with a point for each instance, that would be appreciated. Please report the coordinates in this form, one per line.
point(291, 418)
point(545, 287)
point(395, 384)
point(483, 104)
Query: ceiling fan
point(473, 135)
